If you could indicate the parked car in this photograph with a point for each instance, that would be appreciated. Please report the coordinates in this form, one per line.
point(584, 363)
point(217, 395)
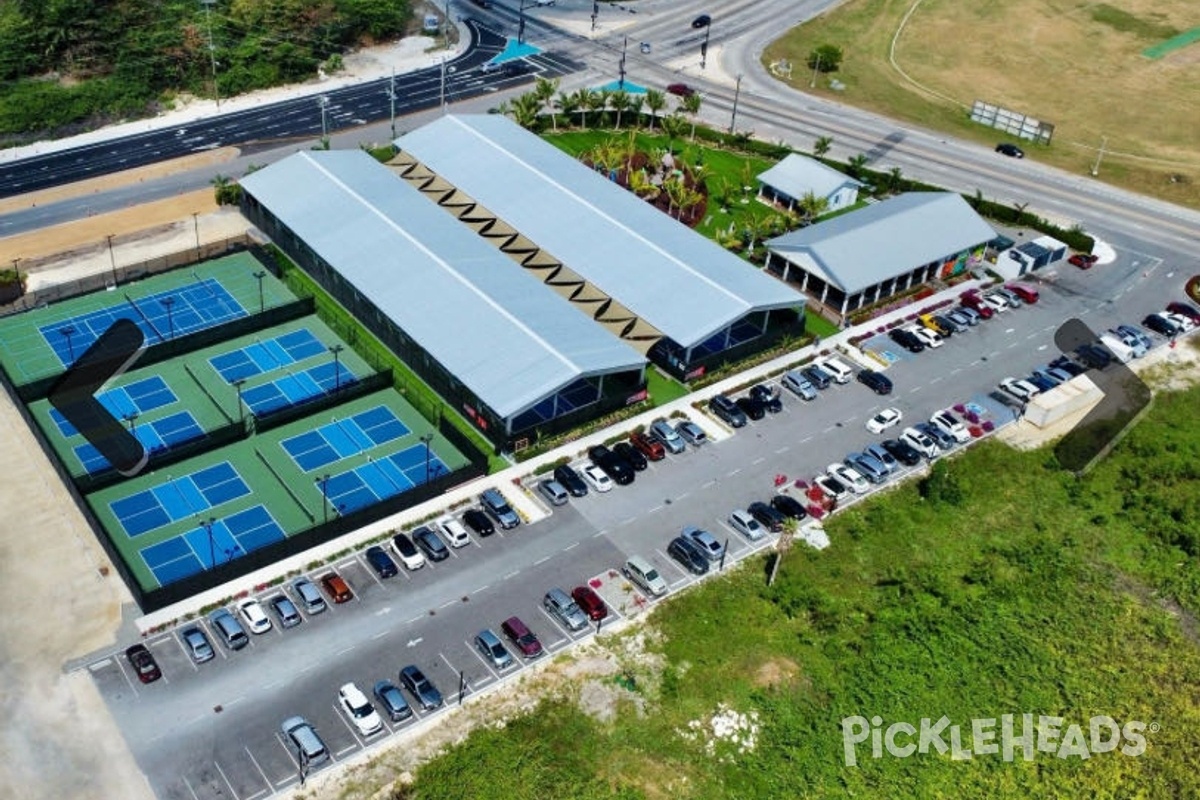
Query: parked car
point(197, 645)
point(639, 571)
point(831, 486)
point(1161, 324)
point(381, 562)
point(304, 739)
point(702, 21)
point(680, 89)
point(973, 300)
point(1022, 390)
point(943, 440)
point(1135, 337)
point(885, 419)
point(837, 369)
point(707, 543)
point(1083, 260)
point(973, 316)
point(961, 318)
point(1009, 149)
point(1184, 310)
point(769, 517)
point(358, 710)
point(409, 555)
point(688, 555)
point(613, 465)
point(877, 382)
point(849, 477)
point(591, 603)
point(453, 532)
point(868, 466)
point(691, 432)
point(649, 447)
point(1067, 365)
point(1182, 321)
point(902, 451)
point(632, 456)
point(948, 323)
point(431, 544)
point(928, 338)
point(946, 420)
point(920, 442)
point(570, 480)
point(907, 339)
point(798, 385)
point(497, 508)
point(252, 612)
point(1043, 383)
point(817, 376)
point(421, 688)
point(752, 407)
point(228, 629)
point(883, 456)
point(391, 699)
point(285, 611)
point(788, 506)
point(597, 477)
point(995, 302)
point(662, 430)
point(554, 492)
point(523, 638)
point(143, 663)
point(1027, 293)
point(309, 597)
point(480, 522)
point(768, 396)
point(931, 322)
point(1008, 296)
point(337, 588)
point(744, 523)
point(727, 411)
point(493, 650)
point(560, 605)
point(1093, 356)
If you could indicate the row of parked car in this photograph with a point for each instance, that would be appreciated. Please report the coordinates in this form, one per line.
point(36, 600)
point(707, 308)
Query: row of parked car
point(974, 306)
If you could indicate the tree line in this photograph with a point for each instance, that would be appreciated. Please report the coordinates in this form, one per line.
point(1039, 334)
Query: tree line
point(70, 65)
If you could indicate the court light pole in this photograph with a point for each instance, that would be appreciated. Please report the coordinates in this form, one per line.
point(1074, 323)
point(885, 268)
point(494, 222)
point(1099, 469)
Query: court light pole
point(324, 481)
point(112, 259)
point(168, 302)
point(212, 549)
point(68, 331)
point(336, 349)
point(196, 225)
point(704, 44)
point(237, 384)
point(131, 418)
point(736, 92)
point(259, 276)
point(426, 439)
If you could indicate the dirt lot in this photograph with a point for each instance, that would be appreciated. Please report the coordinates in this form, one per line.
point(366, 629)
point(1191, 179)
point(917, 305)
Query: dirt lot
point(1076, 65)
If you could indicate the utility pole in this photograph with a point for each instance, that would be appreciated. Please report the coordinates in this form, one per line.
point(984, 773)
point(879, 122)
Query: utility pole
point(443, 84)
point(391, 93)
point(1099, 156)
point(733, 117)
point(323, 102)
point(816, 66)
point(621, 68)
point(212, 51)
point(595, 13)
point(112, 259)
point(704, 44)
point(521, 23)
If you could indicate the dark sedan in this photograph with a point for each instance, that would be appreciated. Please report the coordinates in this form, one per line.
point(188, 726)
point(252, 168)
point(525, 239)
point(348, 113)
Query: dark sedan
point(634, 456)
point(613, 465)
point(877, 382)
point(435, 549)
point(422, 689)
point(143, 663)
point(768, 397)
point(381, 562)
point(789, 506)
point(903, 452)
point(752, 407)
point(480, 522)
point(688, 555)
point(767, 516)
point(571, 481)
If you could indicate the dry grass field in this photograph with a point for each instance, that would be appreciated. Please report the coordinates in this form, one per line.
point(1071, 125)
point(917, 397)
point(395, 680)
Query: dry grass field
point(1077, 65)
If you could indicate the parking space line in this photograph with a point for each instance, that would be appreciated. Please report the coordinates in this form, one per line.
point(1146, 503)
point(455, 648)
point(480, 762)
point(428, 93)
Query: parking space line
point(708, 484)
point(417, 618)
point(571, 546)
point(370, 570)
point(684, 495)
point(221, 772)
point(345, 650)
point(554, 622)
point(99, 665)
point(475, 652)
point(731, 473)
point(349, 563)
point(188, 784)
point(259, 792)
point(258, 766)
point(121, 669)
point(345, 750)
point(598, 534)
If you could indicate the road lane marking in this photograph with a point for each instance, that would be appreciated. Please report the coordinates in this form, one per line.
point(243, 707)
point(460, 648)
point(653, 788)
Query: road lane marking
point(345, 650)
point(512, 574)
point(758, 460)
point(380, 635)
point(572, 546)
point(447, 604)
point(782, 450)
point(484, 587)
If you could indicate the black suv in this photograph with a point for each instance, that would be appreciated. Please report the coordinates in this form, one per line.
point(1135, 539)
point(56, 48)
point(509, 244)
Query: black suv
point(613, 465)
point(727, 410)
point(789, 506)
point(767, 516)
point(752, 407)
point(480, 522)
point(903, 452)
point(1009, 149)
point(875, 381)
point(763, 394)
point(907, 339)
point(1160, 325)
point(570, 480)
point(1093, 356)
point(627, 451)
point(381, 562)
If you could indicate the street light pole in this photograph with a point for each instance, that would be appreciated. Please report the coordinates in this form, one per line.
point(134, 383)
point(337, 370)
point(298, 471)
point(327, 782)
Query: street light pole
point(337, 369)
point(426, 439)
point(621, 68)
point(595, 13)
point(521, 23)
point(704, 46)
point(816, 66)
point(324, 481)
point(68, 331)
point(733, 117)
point(391, 93)
point(112, 259)
point(323, 102)
point(196, 224)
point(131, 418)
point(1099, 156)
point(169, 302)
point(212, 551)
point(260, 275)
point(237, 384)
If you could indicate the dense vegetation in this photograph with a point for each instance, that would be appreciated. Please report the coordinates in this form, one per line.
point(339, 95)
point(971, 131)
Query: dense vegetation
point(68, 64)
point(1003, 585)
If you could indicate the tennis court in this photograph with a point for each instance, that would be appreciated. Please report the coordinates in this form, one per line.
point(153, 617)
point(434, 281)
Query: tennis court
point(157, 436)
point(343, 438)
point(126, 401)
point(382, 478)
point(204, 547)
point(296, 387)
point(162, 315)
point(258, 357)
point(177, 498)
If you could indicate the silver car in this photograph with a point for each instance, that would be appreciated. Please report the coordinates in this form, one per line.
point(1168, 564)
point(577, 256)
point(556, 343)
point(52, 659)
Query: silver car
point(745, 524)
point(662, 430)
point(305, 740)
point(560, 605)
point(197, 645)
point(705, 541)
point(798, 385)
point(692, 432)
point(492, 649)
point(868, 466)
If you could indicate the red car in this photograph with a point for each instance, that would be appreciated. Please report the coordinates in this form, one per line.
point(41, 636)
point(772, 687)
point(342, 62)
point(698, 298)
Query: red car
point(590, 602)
point(520, 635)
point(680, 89)
point(973, 301)
point(1185, 310)
point(650, 448)
point(1083, 260)
point(143, 663)
point(1028, 294)
point(337, 588)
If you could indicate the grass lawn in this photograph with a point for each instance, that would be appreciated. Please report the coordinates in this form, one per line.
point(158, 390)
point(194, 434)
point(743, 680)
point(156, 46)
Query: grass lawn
point(663, 388)
point(817, 325)
point(1010, 587)
point(1078, 66)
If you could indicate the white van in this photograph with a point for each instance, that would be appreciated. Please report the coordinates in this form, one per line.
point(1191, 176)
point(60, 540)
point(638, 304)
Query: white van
point(840, 372)
point(1121, 351)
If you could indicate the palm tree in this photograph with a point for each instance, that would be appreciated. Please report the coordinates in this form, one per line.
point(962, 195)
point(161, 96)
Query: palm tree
point(821, 145)
point(895, 178)
point(677, 192)
point(599, 101)
point(673, 126)
point(620, 102)
point(812, 206)
point(544, 90)
point(525, 110)
point(691, 107)
point(584, 105)
point(636, 103)
point(655, 101)
point(857, 163)
point(568, 104)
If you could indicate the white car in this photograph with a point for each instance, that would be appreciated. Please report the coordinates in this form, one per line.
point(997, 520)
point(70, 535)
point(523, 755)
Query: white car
point(455, 533)
point(359, 710)
point(832, 486)
point(995, 302)
point(256, 619)
point(1022, 390)
point(884, 420)
point(407, 551)
point(741, 521)
point(920, 442)
point(597, 478)
point(928, 337)
point(838, 369)
point(949, 423)
point(849, 476)
point(1185, 324)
